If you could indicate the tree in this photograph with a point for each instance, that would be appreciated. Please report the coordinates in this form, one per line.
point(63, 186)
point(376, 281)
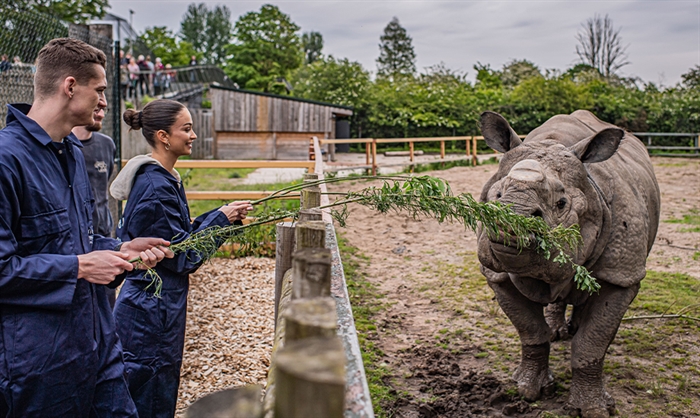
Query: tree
point(163, 43)
point(208, 31)
point(313, 44)
point(396, 55)
point(691, 79)
point(600, 46)
point(337, 81)
point(516, 71)
point(75, 11)
point(265, 50)
point(193, 26)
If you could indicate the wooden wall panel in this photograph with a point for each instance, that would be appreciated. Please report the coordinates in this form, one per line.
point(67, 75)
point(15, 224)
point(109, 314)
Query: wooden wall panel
point(264, 145)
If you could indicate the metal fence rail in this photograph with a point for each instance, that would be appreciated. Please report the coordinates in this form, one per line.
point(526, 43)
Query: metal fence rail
point(22, 35)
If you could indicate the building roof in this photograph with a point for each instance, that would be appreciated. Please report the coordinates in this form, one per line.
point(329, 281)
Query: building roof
point(295, 99)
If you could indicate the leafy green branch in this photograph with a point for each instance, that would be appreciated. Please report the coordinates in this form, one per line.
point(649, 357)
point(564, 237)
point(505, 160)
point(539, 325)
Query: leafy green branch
point(418, 196)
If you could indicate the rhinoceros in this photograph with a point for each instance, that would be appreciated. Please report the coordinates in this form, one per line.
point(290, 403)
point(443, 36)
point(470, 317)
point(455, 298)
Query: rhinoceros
point(573, 169)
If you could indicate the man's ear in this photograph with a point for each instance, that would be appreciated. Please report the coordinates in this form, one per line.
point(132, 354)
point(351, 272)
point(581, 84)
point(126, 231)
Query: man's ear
point(497, 132)
point(598, 147)
point(68, 84)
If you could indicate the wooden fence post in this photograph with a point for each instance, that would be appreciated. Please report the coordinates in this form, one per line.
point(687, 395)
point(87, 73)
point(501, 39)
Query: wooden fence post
point(284, 248)
point(310, 197)
point(313, 214)
point(310, 379)
point(242, 402)
point(374, 157)
point(311, 273)
point(475, 160)
point(307, 318)
point(310, 234)
point(310, 177)
point(442, 150)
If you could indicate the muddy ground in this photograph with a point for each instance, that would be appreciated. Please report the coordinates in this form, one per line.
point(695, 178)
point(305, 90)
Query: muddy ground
point(449, 351)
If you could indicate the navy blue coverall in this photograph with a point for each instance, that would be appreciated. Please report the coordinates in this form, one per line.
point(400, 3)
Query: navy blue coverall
point(152, 330)
point(59, 353)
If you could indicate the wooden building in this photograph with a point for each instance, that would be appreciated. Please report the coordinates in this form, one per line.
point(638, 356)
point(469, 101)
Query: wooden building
point(255, 125)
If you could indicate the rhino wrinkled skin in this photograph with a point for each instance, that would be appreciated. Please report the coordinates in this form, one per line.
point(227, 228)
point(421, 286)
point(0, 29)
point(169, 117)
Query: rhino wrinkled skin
point(574, 169)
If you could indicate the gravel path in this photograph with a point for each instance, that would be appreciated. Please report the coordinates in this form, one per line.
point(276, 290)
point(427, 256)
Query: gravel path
point(229, 327)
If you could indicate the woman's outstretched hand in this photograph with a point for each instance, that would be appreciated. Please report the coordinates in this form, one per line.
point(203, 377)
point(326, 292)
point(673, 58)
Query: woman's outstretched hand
point(236, 211)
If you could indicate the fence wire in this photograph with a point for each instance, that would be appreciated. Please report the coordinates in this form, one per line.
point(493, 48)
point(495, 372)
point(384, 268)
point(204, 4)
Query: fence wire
point(22, 35)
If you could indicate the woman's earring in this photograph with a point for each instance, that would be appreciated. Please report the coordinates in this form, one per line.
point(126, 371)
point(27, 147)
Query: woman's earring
point(167, 146)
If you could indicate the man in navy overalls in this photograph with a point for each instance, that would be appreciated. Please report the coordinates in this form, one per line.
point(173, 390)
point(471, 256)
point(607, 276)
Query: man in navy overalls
point(59, 354)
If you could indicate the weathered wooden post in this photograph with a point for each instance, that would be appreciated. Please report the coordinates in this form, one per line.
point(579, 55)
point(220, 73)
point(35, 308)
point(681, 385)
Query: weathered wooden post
point(374, 157)
point(310, 234)
point(313, 214)
point(307, 318)
point(242, 402)
point(284, 247)
point(310, 379)
point(311, 273)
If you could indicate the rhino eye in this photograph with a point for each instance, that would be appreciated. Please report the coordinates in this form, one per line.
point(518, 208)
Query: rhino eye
point(498, 195)
point(561, 204)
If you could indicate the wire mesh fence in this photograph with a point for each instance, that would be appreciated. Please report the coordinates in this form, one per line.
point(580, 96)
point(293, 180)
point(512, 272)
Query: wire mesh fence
point(23, 34)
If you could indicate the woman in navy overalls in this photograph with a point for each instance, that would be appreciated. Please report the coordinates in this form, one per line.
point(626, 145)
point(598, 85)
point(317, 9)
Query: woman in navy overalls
point(151, 329)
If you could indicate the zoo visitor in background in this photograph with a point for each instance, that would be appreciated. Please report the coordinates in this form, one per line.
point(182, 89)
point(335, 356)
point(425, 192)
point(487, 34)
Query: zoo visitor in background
point(59, 353)
point(99, 152)
point(152, 329)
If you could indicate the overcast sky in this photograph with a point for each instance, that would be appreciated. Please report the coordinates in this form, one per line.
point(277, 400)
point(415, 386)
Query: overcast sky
point(663, 36)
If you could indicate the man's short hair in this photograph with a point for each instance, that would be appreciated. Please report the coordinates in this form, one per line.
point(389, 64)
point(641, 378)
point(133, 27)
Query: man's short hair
point(65, 57)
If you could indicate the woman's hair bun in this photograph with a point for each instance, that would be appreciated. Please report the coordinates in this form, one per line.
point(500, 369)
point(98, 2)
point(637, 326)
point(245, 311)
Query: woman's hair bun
point(133, 119)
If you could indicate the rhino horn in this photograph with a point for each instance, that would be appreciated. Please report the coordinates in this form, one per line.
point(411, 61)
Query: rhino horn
point(527, 170)
point(497, 132)
point(599, 146)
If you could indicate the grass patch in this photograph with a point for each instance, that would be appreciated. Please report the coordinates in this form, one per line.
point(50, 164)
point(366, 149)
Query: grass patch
point(690, 218)
point(366, 302)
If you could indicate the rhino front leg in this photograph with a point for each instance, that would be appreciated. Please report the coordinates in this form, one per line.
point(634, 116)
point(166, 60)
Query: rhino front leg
point(599, 320)
point(555, 314)
point(528, 318)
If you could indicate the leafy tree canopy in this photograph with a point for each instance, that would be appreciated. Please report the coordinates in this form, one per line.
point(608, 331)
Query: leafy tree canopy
point(396, 54)
point(266, 49)
point(208, 31)
point(75, 11)
point(313, 44)
point(163, 43)
point(516, 71)
point(338, 81)
point(691, 79)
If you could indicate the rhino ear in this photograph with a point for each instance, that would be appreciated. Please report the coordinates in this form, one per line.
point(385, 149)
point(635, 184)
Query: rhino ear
point(598, 147)
point(497, 132)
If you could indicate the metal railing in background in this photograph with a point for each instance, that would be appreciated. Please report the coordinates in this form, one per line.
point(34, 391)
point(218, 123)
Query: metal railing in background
point(184, 84)
point(22, 35)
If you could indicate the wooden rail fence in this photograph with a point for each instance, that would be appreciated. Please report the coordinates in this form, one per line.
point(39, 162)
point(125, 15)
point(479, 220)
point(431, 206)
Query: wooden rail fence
point(371, 148)
point(316, 367)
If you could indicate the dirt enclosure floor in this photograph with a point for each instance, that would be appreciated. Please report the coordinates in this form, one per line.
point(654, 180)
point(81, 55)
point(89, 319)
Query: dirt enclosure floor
point(449, 350)
point(446, 347)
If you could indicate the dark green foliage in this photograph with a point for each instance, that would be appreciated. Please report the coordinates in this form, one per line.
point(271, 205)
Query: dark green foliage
point(208, 31)
point(341, 82)
point(396, 54)
point(163, 43)
point(266, 49)
point(74, 11)
point(313, 44)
